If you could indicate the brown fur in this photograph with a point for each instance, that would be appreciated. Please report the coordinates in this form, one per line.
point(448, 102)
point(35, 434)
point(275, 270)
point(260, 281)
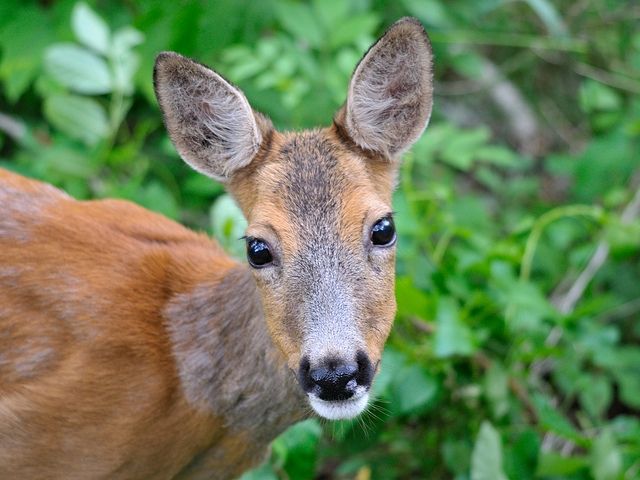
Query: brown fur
point(133, 348)
point(88, 381)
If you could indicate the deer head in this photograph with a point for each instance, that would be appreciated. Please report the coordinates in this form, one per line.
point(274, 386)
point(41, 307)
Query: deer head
point(320, 237)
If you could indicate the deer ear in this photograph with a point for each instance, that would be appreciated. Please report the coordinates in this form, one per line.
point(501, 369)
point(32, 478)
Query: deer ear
point(390, 94)
point(210, 121)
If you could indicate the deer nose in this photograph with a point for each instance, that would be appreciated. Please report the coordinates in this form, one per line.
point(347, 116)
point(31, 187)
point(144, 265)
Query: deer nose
point(334, 379)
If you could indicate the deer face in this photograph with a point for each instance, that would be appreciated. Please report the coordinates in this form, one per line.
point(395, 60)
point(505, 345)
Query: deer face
point(322, 245)
point(321, 239)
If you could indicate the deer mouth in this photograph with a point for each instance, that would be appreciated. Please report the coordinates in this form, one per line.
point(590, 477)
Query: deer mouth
point(340, 409)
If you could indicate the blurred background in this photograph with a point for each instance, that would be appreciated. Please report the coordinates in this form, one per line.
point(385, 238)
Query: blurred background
point(516, 350)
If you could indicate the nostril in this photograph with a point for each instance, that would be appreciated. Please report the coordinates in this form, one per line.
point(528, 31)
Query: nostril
point(365, 369)
point(304, 375)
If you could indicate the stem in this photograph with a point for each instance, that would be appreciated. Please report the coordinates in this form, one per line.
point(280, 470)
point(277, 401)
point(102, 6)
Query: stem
point(566, 303)
point(441, 246)
point(542, 222)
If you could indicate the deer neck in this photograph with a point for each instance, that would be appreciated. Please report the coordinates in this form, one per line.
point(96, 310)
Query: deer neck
point(226, 360)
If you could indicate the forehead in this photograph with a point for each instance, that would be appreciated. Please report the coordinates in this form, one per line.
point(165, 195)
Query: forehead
point(313, 178)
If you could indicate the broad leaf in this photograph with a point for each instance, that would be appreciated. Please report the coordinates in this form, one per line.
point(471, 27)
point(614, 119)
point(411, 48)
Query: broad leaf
point(80, 118)
point(486, 459)
point(606, 459)
point(452, 336)
point(78, 69)
point(89, 28)
point(22, 41)
point(413, 390)
point(228, 224)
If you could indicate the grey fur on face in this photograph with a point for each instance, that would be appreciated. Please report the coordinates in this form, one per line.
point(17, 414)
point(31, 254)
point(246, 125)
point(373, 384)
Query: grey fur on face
point(217, 345)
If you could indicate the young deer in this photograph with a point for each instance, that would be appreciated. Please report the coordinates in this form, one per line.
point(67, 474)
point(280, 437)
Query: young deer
point(133, 348)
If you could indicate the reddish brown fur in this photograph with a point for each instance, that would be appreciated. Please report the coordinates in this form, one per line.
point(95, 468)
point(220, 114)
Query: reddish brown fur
point(88, 383)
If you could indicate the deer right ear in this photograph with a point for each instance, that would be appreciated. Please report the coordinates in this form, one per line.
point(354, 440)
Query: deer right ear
point(391, 91)
point(209, 120)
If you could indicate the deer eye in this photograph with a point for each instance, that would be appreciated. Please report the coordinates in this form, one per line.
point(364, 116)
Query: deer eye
point(258, 253)
point(383, 233)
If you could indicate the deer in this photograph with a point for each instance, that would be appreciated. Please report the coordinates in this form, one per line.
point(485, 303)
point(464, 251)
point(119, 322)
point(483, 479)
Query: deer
point(134, 348)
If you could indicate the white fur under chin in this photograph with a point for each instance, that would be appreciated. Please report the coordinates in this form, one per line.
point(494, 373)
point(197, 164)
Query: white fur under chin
point(339, 410)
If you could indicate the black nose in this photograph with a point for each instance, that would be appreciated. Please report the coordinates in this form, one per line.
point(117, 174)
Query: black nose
point(335, 379)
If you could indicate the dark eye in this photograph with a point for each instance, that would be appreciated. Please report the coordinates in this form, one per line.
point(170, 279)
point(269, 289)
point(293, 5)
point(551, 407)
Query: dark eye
point(383, 232)
point(258, 253)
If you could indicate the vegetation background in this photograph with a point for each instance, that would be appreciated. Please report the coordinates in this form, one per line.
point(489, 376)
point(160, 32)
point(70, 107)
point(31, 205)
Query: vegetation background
point(516, 351)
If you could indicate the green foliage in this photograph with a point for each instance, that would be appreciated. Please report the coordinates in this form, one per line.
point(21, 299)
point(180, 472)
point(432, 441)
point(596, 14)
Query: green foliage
point(489, 372)
point(486, 460)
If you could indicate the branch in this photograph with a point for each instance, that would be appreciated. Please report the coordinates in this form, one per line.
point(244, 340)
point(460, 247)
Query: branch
point(12, 127)
point(566, 302)
point(505, 95)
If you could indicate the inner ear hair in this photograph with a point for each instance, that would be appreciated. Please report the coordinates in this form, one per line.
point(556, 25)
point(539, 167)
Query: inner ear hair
point(209, 120)
point(391, 91)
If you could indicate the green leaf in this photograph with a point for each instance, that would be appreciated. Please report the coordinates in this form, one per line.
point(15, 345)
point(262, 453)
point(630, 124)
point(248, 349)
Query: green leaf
point(78, 69)
point(486, 459)
point(498, 155)
point(126, 38)
point(265, 472)
point(157, 197)
point(452, 336)
point(496, 389)
point(456, 454)
point(623, 364)
point(124, 60)
point(413, 389)
point(553, 420)
point(606, 459)
point(469, 64)
point(299, 20)
point(623, 237)
point(22, 42)
point(549, 15)
point(554, 464)
point(228, 224)
point(414, 301)
point(298, 448)
point(521, 456)
point(350, 30)
point(460, 151)
point(392, 363)
point(67, 162)
point(331, 12)
point(80, 118)
point(431, 12)
point(626, 428)
point(89, 28)
point(596, 96)
point(595, 394)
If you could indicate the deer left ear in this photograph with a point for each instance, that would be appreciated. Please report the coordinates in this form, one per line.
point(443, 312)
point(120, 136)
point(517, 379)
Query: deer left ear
point(391, 91)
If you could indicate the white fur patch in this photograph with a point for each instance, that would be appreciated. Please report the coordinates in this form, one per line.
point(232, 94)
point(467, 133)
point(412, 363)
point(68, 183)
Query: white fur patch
point(339, 410)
